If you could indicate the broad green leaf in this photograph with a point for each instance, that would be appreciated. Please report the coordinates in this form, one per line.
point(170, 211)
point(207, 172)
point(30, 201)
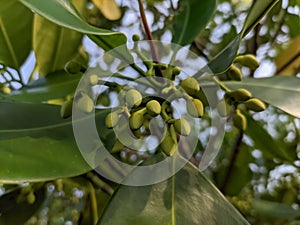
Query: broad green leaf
point(63, 13)
point(288, 60)
point(33, 136)
point(14, 211)
point(280, 91)
point(56, 85)
point(191, 18)
point(186, 198)
point(55, 45)
point(263, 141)
point(15, 33)
point(293, 22)
point(274, 209)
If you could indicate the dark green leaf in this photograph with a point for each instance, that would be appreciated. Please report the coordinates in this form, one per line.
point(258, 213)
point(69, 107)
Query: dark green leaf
point(14, 211)
point(274, 209)
point(280, 91)
point(264, 142)
point(192, 17)
point(186, 198)
point(56, 85)
point(15, 33)
point(33, 136)
point(54, 45)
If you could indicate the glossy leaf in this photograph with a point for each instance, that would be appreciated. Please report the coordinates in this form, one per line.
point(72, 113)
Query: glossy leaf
point(191, 18)
point(280, 91)
point(40, 141)
point(15, 33)
point(186, 198)
point(10, 205)
point(263, 141)
point(221, 62)
point(55, 45)
point(64, 14)
point(56, 85)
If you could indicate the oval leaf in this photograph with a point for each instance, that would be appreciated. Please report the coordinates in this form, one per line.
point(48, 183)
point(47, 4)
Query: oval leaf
point(15, 33)
point(109, 9)
point(186, 198)
point(280, 91)
point(192, 17)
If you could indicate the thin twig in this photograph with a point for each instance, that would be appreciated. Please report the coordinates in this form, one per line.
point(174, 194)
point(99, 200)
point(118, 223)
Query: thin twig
point(149, 35)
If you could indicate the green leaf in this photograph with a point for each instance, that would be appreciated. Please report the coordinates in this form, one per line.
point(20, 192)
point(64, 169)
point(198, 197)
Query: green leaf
point(15, 33)
point(191, 18)
point(224, 59)
point(280, 91)
point(186, 198)
point(10, 205)
point(274, 209)
point(54, 45)
point(63, 13)
point(264, 142)
point(56, 85)
point(257, 12)
point(33, 136)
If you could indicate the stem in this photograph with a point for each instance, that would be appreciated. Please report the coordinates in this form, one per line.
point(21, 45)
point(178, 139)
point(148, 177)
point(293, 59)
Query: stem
point(149, 36)
point(221, 84)
point(236, 150)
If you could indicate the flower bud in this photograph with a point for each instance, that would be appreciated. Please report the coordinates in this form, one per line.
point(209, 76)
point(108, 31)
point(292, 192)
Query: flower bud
point(255, 105)
point(247, 60)
point(240, 95)
point(234, 73)
point(66, 109)
point(153, 107)
point(133, 98)
point(195, 108)
point(182, 127)
point(93, 79)
point(85, 103)
point(190, 85)
point(136, 119)
point(136, 37)
point(112, 119)
point(223, 108)
point(169, 142)
point(239, 120)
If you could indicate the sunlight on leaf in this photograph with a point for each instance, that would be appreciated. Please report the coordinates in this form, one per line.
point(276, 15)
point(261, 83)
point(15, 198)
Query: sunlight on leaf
point(109, 9)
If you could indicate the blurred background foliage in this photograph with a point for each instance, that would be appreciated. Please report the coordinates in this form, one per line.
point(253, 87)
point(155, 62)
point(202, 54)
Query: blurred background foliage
point(262, 183)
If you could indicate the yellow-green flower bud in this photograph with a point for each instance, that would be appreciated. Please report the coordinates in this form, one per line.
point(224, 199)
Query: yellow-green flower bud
point(112, 119)
point(169, 142)
point(85, 103)
point(136, 119)
point(255, 105)
point(136, 37)
point(195, 107)
point(118, 146)
point(234, 73)
point(190, 85)
point(66, 108)
point(176, 70)
point(133, 98)
point(153, 107)
point(6, 90)
point(30, 198)
point(182, 127)
point(239, 120)
point(93, 79)
point(240, 95)
point(103, 99)
point(247, 60)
